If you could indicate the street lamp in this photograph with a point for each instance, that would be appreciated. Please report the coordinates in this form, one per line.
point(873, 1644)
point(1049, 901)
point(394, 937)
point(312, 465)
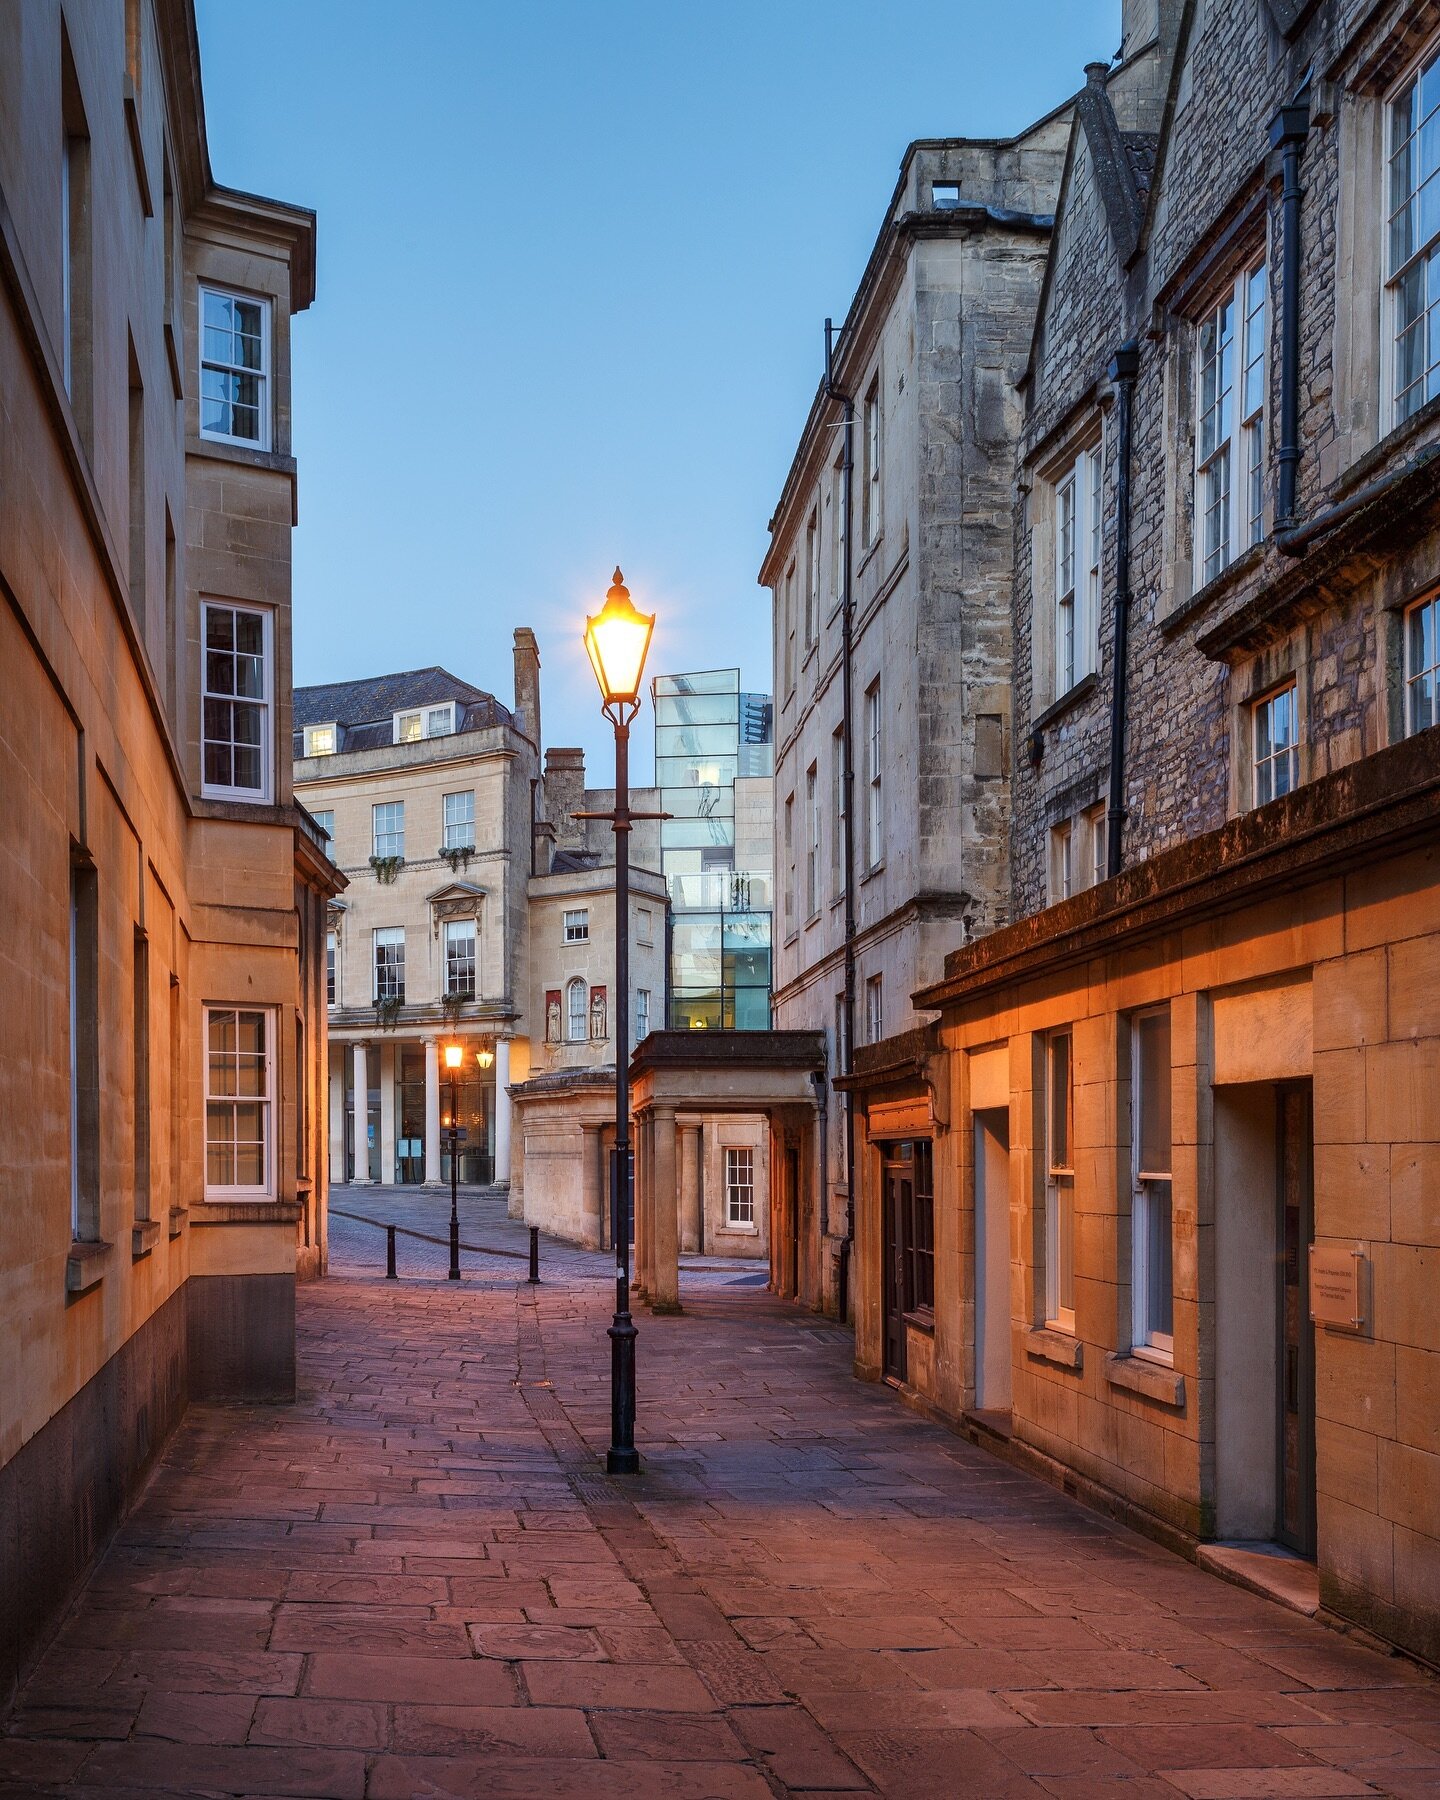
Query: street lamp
point(454, 1056)
point(617, 640)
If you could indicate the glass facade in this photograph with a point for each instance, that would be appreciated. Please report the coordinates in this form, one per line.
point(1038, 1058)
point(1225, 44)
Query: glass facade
point(717, 865)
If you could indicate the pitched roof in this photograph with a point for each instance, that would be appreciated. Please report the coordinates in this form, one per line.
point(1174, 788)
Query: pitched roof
point(364, 710)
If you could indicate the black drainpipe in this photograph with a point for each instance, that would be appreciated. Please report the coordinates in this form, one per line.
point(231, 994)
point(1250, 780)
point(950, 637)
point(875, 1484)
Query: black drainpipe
point(847, 1048)
point(1287, 134)
point(1124, 366)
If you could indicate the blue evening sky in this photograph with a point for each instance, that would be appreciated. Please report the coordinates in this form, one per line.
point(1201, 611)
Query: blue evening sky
point(574, 261)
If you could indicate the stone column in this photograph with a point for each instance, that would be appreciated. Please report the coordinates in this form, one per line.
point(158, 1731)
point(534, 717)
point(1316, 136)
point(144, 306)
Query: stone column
point(361, 1077)
point(387, 1114)
point(691, 1233)
point(502, 1111)
point(665, 1213)
point(639, 1203)
point(337, 1113)
point(432, 1112)
point(592, 1187)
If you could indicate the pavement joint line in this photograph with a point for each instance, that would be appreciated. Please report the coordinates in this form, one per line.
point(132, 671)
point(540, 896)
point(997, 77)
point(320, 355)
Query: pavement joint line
point(609, 1505)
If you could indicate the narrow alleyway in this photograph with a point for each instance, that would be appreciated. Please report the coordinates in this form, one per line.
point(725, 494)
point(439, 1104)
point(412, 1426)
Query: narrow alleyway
point(416, 1581)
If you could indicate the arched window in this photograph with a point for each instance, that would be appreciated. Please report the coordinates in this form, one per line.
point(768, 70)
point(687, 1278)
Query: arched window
point(578, 1011)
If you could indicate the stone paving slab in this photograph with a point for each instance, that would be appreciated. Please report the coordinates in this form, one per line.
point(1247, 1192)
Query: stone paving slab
point(418, 1580)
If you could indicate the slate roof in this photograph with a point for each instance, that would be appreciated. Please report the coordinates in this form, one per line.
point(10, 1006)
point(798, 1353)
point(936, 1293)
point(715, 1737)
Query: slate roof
point(364, 710)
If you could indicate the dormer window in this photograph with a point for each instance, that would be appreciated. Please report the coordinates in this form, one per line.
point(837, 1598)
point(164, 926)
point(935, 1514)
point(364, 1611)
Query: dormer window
point(425, 722)
point(320, 740)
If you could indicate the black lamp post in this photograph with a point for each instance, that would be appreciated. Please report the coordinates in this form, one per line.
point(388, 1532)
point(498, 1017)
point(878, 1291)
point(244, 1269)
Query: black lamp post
point(617, 640)
point(454, 1056)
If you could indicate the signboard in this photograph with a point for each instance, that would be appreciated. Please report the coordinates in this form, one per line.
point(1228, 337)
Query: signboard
point(1336, 1296)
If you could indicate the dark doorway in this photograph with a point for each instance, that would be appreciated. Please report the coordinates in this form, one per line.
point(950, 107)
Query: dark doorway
point(1294, 1136)
point(897, 1191)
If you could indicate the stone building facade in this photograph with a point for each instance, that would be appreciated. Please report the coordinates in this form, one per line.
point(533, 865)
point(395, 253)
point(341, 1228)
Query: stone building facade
point(428, 788)
point(480, 911)
point(892, 639)
point(164, 897)
point(1151, 1204)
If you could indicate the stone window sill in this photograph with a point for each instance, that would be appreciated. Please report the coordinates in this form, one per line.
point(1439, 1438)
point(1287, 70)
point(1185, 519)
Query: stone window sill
point(923, 1320)
point(248, 1212)
point(1073, 696)
point(1058, 1348)
point(144, 1236)
point(85, 1266)
point(874, 870)
point(747, 1231)
point(1233, 575)
point(1153, 1380)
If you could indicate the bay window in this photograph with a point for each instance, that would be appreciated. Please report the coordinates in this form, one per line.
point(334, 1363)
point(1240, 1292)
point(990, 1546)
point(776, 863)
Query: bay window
point(234, 368)
point(235, 702)
point(239, 1108)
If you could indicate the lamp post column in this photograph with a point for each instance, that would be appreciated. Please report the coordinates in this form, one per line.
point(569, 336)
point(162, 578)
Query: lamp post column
point(622, 1458)
point(454, 1180)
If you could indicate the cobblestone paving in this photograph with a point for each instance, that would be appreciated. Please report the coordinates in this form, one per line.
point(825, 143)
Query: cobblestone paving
point(416, 1581)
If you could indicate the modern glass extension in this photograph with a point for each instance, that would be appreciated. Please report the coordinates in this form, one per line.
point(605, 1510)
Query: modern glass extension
point(714, 761)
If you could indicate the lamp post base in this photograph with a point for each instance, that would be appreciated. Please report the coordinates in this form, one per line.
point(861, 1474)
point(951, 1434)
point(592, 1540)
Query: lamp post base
point(622, 1458)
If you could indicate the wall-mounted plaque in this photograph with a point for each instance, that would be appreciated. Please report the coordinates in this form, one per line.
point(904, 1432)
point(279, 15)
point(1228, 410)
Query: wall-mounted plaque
point(1337, 1287)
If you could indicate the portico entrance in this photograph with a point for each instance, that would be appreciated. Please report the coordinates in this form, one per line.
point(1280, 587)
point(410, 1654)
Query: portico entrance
point(764, 1075)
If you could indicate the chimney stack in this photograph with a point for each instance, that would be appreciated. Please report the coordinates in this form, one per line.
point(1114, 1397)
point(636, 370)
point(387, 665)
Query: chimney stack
point(527, 683)
point(565, 795)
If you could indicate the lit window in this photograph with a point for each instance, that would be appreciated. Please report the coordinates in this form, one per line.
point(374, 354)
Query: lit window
point(577, 926)
point(330, 948)
point(1059, 1183)
point(577, 1011)
point(424, 722)
point(1078, 544)
point(388, 822)
point(235, 703)
point(1277, 754)
point(1422, 665)
point(238, 1117)
point(460, 959)
point(874, 1009)
point(234, 368)
point(874, 814)
point(642, 1013)
point(872, 463)
point(1230, 443)
point(1151, 1282)
point(460, 821)
point(1412, 267)
point(326, 822)
point(319, 740)
point(739, 1186)
point(390, 963)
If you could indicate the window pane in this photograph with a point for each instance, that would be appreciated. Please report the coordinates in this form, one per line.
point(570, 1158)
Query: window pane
point(1152, 1075)
point(1159, 1297)
point(1060, 1102)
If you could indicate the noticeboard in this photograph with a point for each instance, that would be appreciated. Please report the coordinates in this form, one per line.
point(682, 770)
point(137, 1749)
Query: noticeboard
point(1337, 1287)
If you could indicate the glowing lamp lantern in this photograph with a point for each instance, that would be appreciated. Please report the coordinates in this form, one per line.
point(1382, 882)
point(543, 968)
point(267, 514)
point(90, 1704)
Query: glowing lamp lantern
point(485, 1057)
point(617, 639)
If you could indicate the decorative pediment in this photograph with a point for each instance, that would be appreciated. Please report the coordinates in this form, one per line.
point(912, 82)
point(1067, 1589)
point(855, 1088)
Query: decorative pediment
point(456, 900)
